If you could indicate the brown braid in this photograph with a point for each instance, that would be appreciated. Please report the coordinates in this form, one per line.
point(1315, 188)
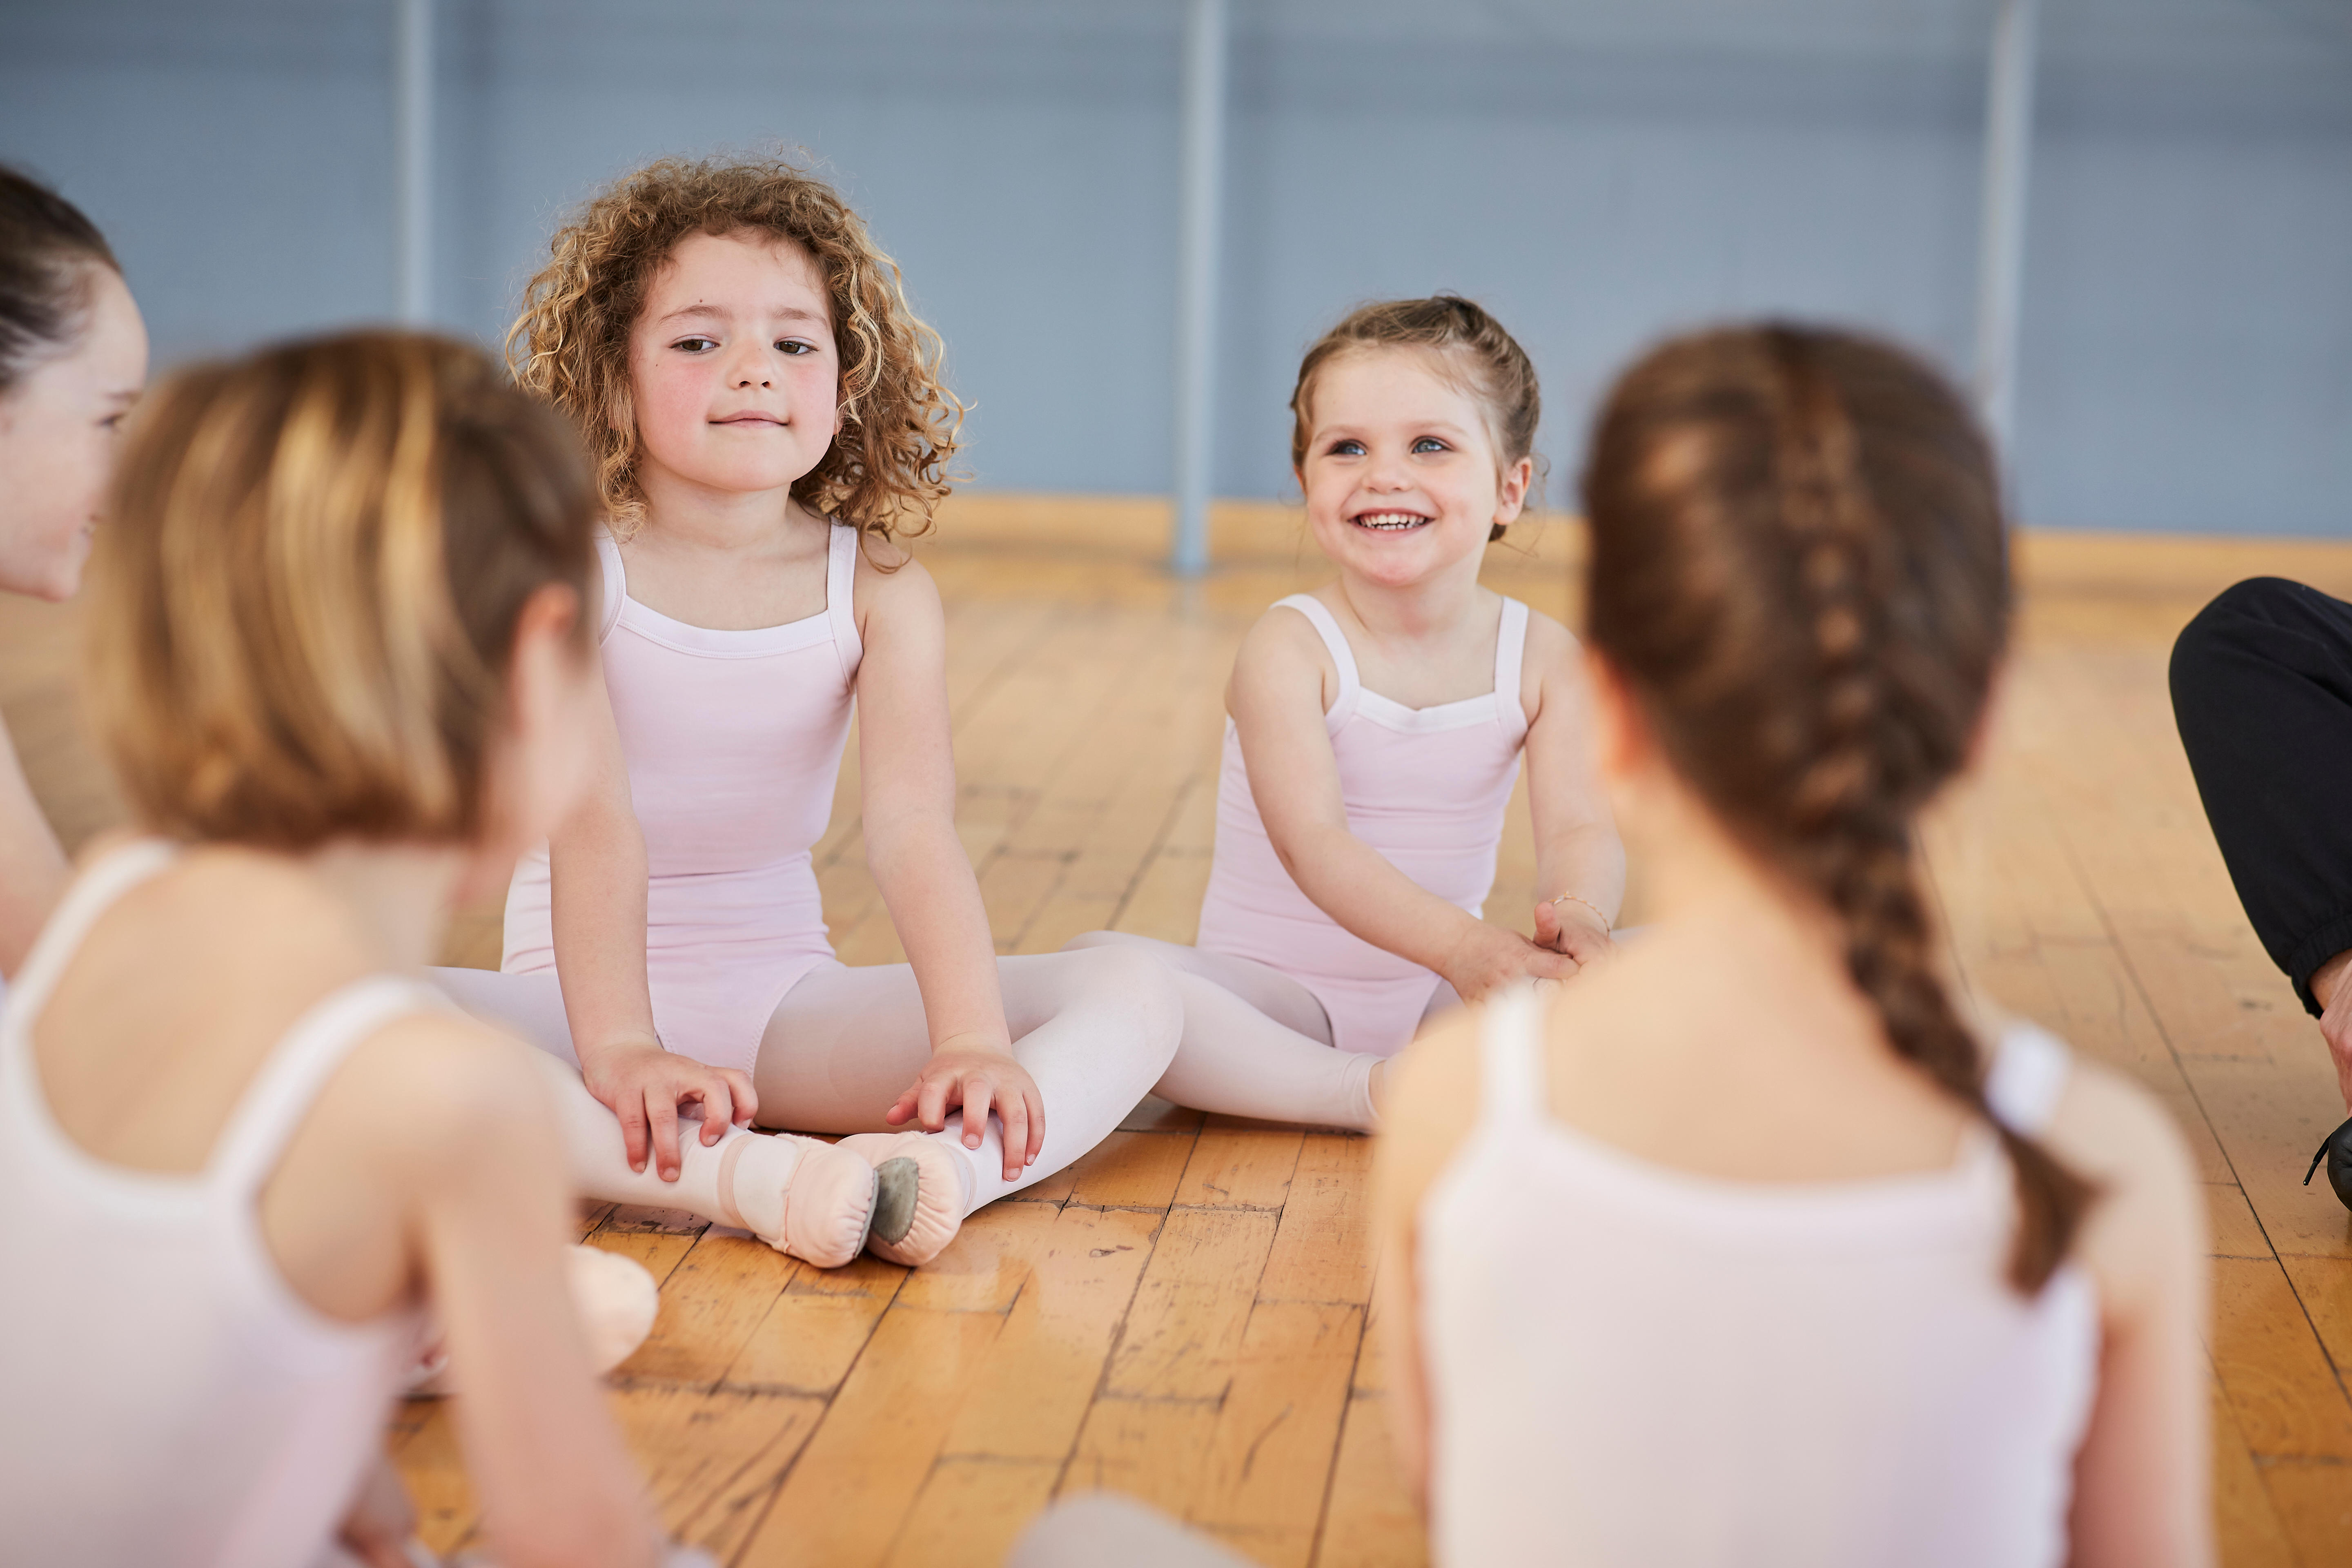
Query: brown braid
point(1798, 565)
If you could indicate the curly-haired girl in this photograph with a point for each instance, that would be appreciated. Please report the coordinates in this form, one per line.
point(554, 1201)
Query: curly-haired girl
point(768, 419)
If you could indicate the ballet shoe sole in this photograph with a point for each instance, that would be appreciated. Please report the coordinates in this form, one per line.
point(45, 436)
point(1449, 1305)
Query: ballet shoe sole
point(934, 1212)
point(828, 1207)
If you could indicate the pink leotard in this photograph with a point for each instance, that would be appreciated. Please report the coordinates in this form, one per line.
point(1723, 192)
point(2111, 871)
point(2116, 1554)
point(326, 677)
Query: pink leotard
point(734, 742)
point(1424, 786)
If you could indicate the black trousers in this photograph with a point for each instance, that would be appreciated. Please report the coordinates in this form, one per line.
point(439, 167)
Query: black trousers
point(2262, 688)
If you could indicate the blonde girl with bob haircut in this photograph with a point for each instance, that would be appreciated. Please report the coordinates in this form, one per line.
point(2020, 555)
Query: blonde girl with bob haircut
point(338, 661)
point(769, 422)
point(1376, 727)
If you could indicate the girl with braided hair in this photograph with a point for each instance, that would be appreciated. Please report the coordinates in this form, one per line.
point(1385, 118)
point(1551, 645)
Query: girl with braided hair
point(1377, 727)
point(1762, 1246)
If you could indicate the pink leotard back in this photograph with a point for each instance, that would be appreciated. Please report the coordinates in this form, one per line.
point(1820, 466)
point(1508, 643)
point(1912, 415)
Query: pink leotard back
point(733, 740)
point(1424, 786)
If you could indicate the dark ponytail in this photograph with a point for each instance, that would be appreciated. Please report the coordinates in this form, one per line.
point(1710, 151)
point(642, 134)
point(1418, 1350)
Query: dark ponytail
point(1798, 565)
point(47, 249)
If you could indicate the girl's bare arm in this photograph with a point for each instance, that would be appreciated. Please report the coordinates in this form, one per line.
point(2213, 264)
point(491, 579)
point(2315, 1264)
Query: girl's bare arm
point(597, 874)
point(1578, 852)
point(2142, 1481)
point(907, 776)
point(477, 1149)
point(1434, 1093)
point(33, 870)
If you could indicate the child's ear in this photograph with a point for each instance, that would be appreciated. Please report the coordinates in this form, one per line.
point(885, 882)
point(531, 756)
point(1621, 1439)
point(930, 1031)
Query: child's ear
point(1511, 499)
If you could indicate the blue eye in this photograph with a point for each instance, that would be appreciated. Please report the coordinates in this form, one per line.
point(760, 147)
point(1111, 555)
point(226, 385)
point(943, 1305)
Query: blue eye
point(1346, 448)
point(1430, 444)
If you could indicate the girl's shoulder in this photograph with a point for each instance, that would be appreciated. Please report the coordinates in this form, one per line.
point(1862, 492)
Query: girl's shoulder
point(1289, 646)
point(2148, 1219)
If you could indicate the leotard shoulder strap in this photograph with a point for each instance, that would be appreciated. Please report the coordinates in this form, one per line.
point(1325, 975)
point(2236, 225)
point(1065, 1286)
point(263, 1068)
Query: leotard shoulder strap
point(1510, 661)
point(840, 607)
point(1335, 642)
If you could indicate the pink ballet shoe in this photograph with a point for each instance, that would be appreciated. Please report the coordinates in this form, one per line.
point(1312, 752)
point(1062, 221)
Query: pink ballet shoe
point(617, 1300)
point(614, 1298)
point(828, 1200)
point(921, 1195)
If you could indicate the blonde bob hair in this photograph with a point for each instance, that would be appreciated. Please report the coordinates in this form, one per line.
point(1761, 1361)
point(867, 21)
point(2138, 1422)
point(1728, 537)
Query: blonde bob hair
point(307, 588)
point(885, 473)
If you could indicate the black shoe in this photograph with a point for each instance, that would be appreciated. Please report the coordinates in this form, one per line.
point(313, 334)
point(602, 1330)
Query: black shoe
point(2338, 1153)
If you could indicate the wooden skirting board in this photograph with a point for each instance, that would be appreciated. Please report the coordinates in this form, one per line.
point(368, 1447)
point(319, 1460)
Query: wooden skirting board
point(1260, 533)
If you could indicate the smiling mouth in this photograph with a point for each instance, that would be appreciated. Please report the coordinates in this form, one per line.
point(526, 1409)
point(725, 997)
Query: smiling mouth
point(1390, 521)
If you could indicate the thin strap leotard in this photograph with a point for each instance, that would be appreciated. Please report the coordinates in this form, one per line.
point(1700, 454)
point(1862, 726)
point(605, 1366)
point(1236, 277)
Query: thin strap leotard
point(1664, 1367)
point(734, 739)
point(172, 1400)
point(1427, 787)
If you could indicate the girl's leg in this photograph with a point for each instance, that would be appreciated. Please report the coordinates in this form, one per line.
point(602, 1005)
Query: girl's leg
point(1255, 1041)
point(1095, 1029)
point(1103, 1526)
point(743, 1180)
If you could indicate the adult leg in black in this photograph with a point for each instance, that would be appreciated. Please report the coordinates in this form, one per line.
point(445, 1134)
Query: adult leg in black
point(2262, 690)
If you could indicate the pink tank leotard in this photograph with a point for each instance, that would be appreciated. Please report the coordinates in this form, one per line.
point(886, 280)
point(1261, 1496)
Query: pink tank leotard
point(1424, 786)
point(733, 740)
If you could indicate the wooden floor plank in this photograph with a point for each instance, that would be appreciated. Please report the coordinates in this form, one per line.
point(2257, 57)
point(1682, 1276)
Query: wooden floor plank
point(2278, 1379)
point(1371, 1521)
point(1030, 1399)
point(1183, 1336)
point(860, 1473)
point(1269, 1459)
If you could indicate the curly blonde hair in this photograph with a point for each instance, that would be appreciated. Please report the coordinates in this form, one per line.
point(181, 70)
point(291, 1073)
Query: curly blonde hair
point(885, 473)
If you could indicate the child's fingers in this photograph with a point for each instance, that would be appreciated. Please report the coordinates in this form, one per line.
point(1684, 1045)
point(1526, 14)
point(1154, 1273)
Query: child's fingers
point(1014, 1109)
point(746, 1098)
point(932, 1103)
point(718, 1109)
point(632, 1112)
point(976, 1093)
point(1036, 1128)
point(661, 1111)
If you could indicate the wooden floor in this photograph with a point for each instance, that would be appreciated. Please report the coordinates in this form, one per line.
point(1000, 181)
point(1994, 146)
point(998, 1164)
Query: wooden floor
point(1182, 1316)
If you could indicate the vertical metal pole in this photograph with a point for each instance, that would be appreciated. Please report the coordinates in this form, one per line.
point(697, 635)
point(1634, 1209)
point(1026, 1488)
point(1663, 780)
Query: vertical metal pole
point(2000, 256)
point(1202, 199)
point(412, 161)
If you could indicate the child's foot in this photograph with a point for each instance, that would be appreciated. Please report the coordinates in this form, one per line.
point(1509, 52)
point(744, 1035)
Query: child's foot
point(617, 1300)
point(922, 1194)
point(798, 1195)
point(614, 1297)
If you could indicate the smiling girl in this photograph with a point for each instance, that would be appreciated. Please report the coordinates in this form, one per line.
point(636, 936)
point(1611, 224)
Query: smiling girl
point(1376, 728)
point(73, 356)
point(767, 415)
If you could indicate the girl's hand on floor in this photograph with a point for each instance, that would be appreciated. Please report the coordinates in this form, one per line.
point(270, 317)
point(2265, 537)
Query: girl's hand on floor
point(381, 1522)
point(1566, 926)
point(643, 1085)
point(980, 1078)
point(1489, 958)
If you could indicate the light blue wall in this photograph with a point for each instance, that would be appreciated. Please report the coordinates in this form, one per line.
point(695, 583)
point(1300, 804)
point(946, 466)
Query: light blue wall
point(1596, 172)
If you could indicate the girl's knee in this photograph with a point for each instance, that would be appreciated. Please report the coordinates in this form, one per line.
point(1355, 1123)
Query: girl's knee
point(1087, 940)
point(1133, 978)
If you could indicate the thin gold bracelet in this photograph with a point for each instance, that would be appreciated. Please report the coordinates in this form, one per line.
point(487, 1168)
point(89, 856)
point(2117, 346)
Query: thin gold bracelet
point(1606, 923)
